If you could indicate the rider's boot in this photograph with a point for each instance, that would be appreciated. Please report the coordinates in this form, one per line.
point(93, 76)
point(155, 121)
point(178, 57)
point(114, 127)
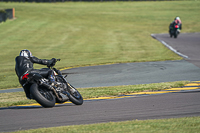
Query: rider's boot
point(28, 94)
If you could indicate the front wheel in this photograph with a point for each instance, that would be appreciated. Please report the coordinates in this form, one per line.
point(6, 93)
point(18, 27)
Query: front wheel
point(75, 97)
point(43, 96)
point(175, 35)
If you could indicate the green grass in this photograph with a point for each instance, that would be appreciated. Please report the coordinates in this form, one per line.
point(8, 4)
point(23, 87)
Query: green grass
point(173, 125)
point(90, 33)
point(19, 98)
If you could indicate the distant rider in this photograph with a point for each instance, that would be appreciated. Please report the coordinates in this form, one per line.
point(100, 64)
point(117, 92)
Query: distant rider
point(24, 64)
point(177, 20)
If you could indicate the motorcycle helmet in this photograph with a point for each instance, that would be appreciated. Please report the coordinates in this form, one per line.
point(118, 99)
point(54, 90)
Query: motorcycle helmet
point(26, 53)
point(178, 18)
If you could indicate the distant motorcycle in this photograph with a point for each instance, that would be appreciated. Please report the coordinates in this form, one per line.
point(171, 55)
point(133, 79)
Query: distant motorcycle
point(174, 30)
point(46, 94)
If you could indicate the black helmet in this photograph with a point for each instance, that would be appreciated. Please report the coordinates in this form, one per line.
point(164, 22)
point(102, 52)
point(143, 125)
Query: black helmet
point(26, 53)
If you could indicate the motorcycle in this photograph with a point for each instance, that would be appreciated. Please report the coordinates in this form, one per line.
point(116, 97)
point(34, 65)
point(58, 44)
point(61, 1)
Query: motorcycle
point(47, 94)
point(174, 30)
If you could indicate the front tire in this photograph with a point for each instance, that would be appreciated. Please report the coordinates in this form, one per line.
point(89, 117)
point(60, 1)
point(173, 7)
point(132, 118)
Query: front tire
point(175, 35)
point(43, 96)
point(75, 97)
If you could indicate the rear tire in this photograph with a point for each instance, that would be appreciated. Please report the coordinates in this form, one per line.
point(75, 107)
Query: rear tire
point(43, 96)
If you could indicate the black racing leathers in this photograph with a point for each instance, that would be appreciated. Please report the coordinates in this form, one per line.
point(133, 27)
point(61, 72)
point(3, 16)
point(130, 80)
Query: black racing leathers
point(172, 25)
point(24, 65)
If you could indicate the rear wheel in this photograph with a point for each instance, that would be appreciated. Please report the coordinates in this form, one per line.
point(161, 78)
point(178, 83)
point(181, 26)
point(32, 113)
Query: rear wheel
point(43, 96)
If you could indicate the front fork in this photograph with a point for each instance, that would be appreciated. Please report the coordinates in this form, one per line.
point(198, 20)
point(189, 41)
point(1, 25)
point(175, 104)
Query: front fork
point(72, 88)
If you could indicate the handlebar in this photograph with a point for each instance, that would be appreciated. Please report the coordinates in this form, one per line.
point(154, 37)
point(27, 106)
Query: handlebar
point(58, 60)
point(53, 63)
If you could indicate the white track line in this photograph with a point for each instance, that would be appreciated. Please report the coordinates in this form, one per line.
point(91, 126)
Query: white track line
point(169, 47)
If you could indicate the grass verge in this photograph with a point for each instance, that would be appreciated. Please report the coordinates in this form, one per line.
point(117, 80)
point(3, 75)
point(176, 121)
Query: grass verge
point(175, 125)
point(19, 98)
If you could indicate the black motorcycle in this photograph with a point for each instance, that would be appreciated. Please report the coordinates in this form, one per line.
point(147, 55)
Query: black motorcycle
point(174, 30)
point(47, 94)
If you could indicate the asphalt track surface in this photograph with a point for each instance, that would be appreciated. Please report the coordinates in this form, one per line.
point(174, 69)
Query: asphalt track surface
point(157, 106)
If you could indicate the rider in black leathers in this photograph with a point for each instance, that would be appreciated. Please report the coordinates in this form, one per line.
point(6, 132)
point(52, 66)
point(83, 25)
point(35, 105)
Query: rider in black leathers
point(177, 20)
point(24, 64)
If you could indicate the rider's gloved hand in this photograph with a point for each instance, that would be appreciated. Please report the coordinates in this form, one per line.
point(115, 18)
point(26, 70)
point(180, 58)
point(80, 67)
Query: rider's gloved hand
point(51, 62)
